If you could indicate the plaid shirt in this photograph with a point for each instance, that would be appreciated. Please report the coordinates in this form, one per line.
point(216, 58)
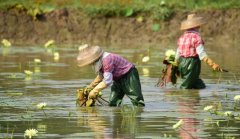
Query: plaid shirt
point(116, 65)
point(188, 43)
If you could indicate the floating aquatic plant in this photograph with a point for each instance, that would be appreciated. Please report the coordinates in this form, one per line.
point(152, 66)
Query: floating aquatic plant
point(13, 76)
point(228, 113)
point(145, 59)
point(178, 124)
point(236, 101)
point(28, 72)
point(208, 108)
point(36, 60)
point(6, 43)
point(42, 106)
point(30, 133)
point(49, 43)
point(37, 69)
point(145, 71)
point(237, 98)
point(56, 56)
point(15, 94)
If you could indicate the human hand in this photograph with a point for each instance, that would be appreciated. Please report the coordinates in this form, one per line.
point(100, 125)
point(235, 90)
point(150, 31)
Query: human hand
point(216, 67)
point(86, 90)
point(93, 94)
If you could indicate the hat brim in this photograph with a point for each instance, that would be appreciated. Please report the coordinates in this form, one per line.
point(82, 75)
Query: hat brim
point(84, 62)
point(193, 23)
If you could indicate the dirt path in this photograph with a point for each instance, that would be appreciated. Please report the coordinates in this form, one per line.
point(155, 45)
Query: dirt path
point(71, 26)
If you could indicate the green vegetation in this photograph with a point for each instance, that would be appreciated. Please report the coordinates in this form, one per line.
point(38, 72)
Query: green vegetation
point(157, 9)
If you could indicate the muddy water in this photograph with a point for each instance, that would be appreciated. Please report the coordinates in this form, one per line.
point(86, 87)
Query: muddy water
point(55, 80)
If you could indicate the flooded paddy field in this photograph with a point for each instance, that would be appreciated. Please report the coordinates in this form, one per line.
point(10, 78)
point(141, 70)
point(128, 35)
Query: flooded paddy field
point(30, 75)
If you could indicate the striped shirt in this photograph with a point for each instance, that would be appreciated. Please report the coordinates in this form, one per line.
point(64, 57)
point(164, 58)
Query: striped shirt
point(116, 65)
point(188, 43)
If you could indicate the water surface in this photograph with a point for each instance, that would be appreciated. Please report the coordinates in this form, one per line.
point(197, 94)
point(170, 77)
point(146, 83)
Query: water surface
point(55, 81)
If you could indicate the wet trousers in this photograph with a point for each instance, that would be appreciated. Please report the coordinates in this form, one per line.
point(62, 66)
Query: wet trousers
point(128, 85)
point(190, 69)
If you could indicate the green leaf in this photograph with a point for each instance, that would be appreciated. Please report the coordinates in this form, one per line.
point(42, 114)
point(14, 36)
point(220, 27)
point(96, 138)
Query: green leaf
point(15, 94)
point(129, 12)
point(155, 27)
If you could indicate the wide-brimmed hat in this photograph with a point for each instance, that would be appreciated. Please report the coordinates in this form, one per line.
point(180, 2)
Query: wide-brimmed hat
point(192, 22)
point(88, 54)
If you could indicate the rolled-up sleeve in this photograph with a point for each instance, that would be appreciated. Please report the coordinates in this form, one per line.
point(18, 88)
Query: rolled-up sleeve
point(177, 55)
point(108, 78)
point(201, 52)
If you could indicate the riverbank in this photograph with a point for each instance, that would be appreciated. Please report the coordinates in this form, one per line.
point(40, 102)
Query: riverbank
point(73, 26)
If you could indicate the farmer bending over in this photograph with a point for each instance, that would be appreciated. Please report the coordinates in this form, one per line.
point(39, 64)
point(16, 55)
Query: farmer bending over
point(114, 70)
point(189, 53)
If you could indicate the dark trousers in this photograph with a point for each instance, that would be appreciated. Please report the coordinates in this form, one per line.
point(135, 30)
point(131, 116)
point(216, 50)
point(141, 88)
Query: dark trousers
point(128, 85)
point(190, 69)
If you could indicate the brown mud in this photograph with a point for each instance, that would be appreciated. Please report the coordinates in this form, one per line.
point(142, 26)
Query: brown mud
point(72, 26)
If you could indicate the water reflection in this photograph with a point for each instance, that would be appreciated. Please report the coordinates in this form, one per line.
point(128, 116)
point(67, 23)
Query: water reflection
point(117, 123)
point(186, 102)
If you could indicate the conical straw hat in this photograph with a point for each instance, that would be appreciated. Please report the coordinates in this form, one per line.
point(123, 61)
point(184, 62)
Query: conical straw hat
point(88, 54)
point(192, 22)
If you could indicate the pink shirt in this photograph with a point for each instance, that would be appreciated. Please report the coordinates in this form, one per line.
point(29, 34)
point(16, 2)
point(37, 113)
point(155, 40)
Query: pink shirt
point(188, 43)
point(114, 67)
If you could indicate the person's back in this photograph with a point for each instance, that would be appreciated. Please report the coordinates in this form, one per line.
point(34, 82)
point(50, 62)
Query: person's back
point(190, 52)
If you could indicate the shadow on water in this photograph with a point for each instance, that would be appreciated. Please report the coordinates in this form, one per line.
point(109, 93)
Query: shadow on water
point(55, 78)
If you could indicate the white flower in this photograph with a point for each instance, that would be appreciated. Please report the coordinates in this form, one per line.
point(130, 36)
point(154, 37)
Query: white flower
point(6, 43)
point(228, 113)
point(49, 43)
point(41, 105)
point(145, 59)
point(28, 72)
point(178, 124)
point(56, 56)
point(36, 60)
point(170, 52)
point(237, 98)
point(140, 19)
point(30, 133)
point(145, 72)
point(208, 108)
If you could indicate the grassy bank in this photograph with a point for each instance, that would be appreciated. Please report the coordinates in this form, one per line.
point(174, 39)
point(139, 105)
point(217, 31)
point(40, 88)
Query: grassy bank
point(156, 9)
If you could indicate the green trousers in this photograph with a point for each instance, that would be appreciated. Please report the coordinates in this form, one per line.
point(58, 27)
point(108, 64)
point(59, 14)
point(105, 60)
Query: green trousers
point(128, 85)
point(190, 69)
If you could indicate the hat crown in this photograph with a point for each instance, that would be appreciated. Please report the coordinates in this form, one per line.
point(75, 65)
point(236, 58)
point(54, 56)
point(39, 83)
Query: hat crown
point(192, 22)
point(88, 54)
point(191, 16)
point(82, 47)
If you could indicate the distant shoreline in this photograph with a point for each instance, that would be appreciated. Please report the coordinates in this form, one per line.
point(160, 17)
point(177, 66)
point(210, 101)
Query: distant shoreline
point(72, 26)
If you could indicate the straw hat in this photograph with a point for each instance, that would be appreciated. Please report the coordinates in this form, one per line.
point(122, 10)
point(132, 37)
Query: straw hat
point(192, 22)
point(88, 54)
